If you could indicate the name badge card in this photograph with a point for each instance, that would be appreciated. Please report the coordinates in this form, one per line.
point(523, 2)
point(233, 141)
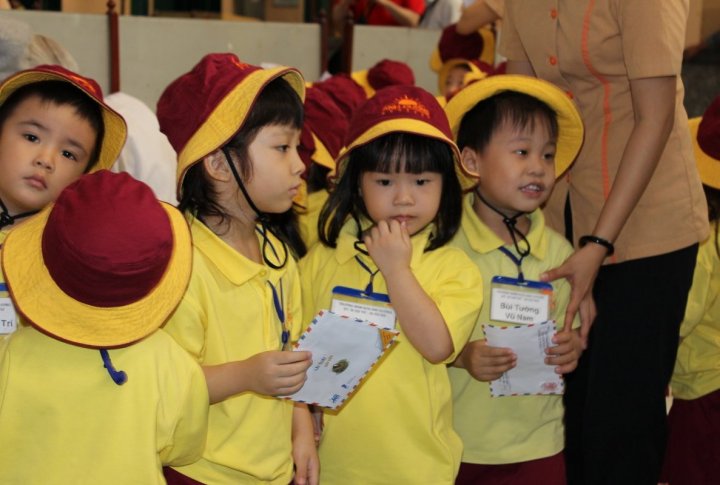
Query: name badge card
point(515, 301)
point(8, 317)
point(373, 307)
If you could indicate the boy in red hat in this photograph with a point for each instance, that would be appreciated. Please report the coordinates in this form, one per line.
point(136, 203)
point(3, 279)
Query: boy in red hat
point(92, 391)
point(54, 126)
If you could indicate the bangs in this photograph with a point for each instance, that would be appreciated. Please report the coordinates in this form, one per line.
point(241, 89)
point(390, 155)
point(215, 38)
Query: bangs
point(278, 104)
point(404, 152)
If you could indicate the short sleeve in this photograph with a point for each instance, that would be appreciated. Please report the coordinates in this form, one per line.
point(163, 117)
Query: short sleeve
point(653, 36)
point(297, 320)
point(457, 290)
point(417, 6)
point(187, 325)
point(699, 296)
point(187, 440)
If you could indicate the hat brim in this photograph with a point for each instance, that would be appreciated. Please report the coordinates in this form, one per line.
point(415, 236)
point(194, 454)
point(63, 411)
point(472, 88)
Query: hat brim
point(474, 72)
point(570, 125)
point(230, 115)
point(361, 77)
point(708, 167)
point(413, 127)
point(51, 310)
point(115, 127)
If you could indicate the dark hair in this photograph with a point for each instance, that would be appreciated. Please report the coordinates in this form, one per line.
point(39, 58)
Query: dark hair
point(277, 104)
point(393, 153)
point(317, 178)
point(479, 123)
point(61, 93)
point(712, 196)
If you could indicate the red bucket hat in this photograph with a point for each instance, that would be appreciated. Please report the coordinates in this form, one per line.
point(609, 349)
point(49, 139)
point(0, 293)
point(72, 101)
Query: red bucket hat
point(324, 129)
point(401, 109)
point(201, 110)
point(384, 74)
point(103, 266)
point(115, 128)
point(476, 51)
point(347, 94)
point(706, 140)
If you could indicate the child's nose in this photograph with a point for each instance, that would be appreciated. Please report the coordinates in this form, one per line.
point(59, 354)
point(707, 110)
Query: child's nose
point(44, 160)
point(403, 195)
point(538, 165)
point(297, 165)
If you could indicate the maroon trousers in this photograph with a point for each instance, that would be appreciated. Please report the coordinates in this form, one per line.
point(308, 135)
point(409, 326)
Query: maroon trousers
point(543, 471)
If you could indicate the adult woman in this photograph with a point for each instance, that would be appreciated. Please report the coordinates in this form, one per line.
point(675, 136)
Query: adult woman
point(632, 203)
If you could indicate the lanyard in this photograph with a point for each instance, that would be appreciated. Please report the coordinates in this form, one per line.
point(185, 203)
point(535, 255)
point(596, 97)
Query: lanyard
point(516, 260)
point(369, 287)
point(278, 303)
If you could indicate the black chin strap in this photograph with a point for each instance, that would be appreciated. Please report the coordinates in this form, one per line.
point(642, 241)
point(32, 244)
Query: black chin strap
point(262, 218)
point(511, 225)
point(7, 220)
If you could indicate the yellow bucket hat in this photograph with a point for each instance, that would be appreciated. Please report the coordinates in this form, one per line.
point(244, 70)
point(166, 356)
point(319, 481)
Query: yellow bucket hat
point(570, 125)
point(201, 110)
point(103, 266)
point(402, 109)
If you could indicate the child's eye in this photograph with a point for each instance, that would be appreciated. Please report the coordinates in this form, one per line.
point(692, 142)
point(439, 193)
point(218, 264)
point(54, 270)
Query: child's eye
point(283, 148)
point(69, 155)
point(30, 137)
point(521, 152)
point(383, 182)
point(422, 182)
point(549, 156)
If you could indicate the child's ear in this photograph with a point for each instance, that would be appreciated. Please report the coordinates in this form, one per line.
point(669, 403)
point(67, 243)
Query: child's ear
point(216, 166)
point(470, 159)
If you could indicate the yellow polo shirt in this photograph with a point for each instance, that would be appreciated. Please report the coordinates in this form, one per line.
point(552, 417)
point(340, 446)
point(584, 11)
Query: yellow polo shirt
point(511, 429)
point(226, 315)
point(397, 428)
point(697, 368)
point(63, 420)
point(592, 50)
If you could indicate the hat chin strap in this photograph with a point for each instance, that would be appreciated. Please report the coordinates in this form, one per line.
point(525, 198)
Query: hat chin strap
point(262, 217)
point(510, 223)
point(7, 220)
point(119, 377)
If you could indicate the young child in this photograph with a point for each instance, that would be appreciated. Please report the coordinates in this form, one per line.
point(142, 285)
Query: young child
point(461, 59)
point(693, 452)
point(322, 135)
point(518, 134)
point(54, 126)
point(238, 172)
point(93, 392)
point(386, 226)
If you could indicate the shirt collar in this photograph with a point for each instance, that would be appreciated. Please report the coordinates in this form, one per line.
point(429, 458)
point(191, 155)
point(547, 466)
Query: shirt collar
point(484, 240)
point(234, 266)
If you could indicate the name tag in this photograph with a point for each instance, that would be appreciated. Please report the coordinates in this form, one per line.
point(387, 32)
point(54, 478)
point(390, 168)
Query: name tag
point(373, 307)
point(8, 316)
point(520, 302)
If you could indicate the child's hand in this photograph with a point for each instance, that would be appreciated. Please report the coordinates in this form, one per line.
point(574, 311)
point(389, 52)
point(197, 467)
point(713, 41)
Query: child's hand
point(566, 352)
point(278, 373)
point(486, 363)
point(388, 243)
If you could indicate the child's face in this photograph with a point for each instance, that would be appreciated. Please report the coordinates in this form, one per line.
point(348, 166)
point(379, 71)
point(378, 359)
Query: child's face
point(516, 168)
point(43, 148)
point(412, 198)
point(455, 80)
point(276, 168)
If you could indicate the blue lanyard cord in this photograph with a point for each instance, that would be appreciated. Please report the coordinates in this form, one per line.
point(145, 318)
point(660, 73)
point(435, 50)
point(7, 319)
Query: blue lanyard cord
point(119, 377)
point(369, 287)
point(278, 303)
point(516, 260)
